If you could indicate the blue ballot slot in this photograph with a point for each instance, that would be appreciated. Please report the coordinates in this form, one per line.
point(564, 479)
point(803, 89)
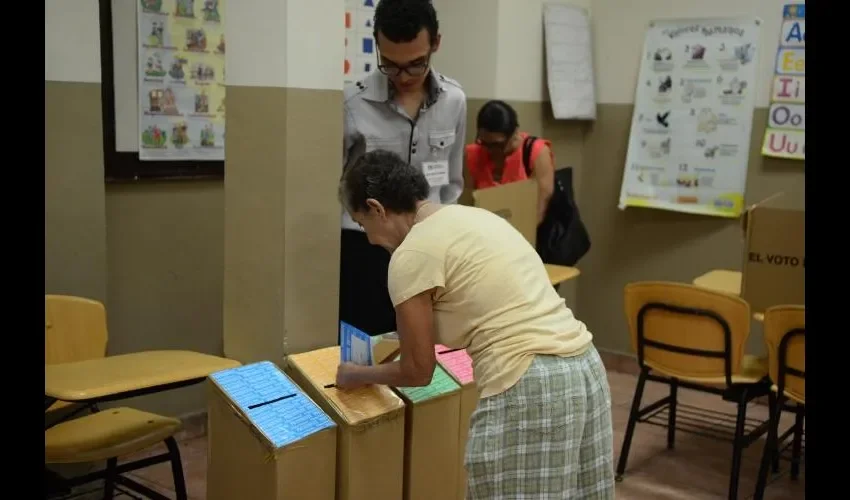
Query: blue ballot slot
point(272, 403)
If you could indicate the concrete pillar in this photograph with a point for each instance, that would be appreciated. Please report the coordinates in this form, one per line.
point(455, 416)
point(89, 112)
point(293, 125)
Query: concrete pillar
point(74, 194)
point(283, 161)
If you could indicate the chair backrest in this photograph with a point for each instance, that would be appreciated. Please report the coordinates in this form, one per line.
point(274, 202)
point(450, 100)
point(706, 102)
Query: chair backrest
point(686, 331)
point(785, 336)
point(74, 329)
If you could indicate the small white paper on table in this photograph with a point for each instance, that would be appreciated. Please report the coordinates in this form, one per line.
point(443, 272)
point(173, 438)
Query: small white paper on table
point(569, 62)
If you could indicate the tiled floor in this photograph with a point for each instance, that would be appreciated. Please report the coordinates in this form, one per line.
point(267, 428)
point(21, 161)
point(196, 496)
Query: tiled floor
point(697, 469)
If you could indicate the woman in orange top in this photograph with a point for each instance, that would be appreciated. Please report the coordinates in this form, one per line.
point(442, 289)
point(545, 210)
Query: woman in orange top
point(496, 156)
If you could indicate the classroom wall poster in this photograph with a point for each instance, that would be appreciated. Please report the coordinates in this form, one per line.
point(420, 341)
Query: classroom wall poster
point(690, 134)
point(360, 50)
point(785, 136)
point(181, 79)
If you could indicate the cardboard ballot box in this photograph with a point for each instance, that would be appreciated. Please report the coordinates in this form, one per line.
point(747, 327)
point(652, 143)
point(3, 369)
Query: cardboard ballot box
point(774, 271)
point(458, 364)
point(370, 450)
point(267, 440)
point(516, 202)
point(431, 438)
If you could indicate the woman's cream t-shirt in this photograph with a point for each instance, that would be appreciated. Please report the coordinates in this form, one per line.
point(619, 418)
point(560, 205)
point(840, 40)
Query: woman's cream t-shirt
point(493, 296)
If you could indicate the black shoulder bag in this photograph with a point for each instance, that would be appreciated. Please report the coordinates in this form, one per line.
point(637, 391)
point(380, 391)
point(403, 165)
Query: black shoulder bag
point(562, 238)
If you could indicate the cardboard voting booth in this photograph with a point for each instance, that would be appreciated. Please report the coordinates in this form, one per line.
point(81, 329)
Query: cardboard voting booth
point(267, 440)
point(431, 438)
point(370, 450)
point(458, 365)
point(516, 202)
point(774, 271)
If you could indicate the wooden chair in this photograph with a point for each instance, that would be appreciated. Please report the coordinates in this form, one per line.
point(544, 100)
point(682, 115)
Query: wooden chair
point(688, 336)
point(75, 330)
point(785, 336)
point(108, 435)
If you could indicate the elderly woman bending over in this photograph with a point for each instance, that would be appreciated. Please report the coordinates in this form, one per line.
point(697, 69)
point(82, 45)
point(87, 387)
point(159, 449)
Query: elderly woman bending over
point(464, 277)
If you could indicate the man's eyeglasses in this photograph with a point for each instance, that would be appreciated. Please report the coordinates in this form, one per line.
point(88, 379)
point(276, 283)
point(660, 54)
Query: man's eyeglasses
point(413, 69)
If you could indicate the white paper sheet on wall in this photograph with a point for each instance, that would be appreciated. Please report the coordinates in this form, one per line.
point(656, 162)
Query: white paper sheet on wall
point(569, 62)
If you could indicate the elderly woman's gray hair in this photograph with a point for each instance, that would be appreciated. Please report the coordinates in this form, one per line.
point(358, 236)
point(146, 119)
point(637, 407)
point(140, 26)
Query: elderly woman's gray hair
point(386, 177)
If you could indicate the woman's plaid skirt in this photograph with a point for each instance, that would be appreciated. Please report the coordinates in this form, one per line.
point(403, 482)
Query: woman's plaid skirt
point(547, 437)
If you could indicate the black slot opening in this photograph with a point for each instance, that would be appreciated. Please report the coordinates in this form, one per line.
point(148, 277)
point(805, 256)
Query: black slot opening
point(252, 407)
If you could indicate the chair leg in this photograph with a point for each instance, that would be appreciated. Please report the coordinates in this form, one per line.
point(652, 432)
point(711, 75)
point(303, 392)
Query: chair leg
point(767, 455)
point(177, 469)
point(630, 428)
point(738, 446)
point(797, 445)
point(109, 481)
point(770, 454)
point(774, 408)
point(671, 415)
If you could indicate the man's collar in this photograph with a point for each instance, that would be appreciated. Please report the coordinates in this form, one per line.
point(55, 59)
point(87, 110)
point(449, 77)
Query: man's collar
point(379, 89)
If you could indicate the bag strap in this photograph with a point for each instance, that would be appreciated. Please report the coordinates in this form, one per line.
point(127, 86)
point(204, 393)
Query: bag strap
point(527, 146)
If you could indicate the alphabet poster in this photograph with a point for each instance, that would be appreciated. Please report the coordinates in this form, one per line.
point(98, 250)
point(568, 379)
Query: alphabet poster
point(785, 136)
point(690, 134)
point(181, 79)
point(360, 49)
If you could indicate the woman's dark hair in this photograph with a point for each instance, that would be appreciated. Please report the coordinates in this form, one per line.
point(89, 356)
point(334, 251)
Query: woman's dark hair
point(497, 116)
point(386, 177)
point(402, 20)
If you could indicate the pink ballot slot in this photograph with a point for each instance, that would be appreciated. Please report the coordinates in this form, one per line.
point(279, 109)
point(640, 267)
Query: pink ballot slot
point(457, 362)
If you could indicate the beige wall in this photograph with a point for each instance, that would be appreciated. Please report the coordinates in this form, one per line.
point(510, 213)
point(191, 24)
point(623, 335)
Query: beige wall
point(642, 244)
point(165, 246)
point(74, 221)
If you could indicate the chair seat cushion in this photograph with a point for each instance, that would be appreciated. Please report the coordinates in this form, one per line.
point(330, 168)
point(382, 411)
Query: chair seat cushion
point(106, 434)
point(753, 369)
point(793, 396)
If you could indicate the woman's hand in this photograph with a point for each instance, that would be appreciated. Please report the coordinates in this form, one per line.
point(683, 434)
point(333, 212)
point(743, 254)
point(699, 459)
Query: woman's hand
point(346, 376)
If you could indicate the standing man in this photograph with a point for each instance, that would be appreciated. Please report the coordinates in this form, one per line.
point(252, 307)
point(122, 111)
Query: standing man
point(408, 108)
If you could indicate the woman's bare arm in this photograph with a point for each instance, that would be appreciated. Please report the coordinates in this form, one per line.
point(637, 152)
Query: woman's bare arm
point(415, 322)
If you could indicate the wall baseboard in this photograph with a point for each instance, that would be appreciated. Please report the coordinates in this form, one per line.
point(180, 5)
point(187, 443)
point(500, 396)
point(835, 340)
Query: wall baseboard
point(194, 426)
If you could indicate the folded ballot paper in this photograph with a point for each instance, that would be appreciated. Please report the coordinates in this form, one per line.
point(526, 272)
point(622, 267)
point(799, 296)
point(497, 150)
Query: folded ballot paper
point(358, 347)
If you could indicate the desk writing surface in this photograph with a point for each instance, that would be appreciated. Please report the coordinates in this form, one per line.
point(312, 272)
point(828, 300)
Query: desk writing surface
point(560, 274)
point(720, 280)
point(96, 378)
